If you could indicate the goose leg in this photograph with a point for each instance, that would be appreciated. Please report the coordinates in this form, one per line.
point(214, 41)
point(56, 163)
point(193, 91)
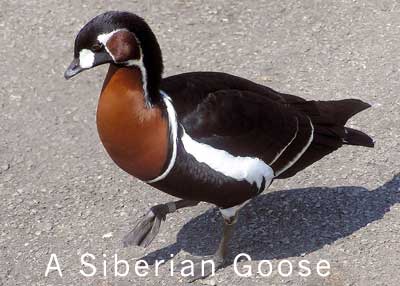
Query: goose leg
point(148, 226)
point(202, 268)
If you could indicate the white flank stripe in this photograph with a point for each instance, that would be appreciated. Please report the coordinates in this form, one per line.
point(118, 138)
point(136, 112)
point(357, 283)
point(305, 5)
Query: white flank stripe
point(290, 164)
point(253, 170)
point(290, 142)
point(174, 135)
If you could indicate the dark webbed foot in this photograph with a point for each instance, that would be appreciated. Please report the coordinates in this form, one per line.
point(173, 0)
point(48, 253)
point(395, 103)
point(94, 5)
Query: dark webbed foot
point(199, 267)
point(148, 226)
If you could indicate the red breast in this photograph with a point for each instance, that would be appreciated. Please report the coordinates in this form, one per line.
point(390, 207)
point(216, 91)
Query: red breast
point(135, 136)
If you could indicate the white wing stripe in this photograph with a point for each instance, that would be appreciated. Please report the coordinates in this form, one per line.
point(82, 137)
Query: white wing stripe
point(290, 164)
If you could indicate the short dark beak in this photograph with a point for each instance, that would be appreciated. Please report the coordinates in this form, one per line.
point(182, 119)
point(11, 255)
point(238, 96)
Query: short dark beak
point(73, 69)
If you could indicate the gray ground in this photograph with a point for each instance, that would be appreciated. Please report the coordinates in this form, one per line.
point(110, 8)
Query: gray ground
point(61, 194)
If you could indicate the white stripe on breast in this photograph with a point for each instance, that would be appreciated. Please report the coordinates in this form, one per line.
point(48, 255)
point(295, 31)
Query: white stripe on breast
point(173, 123)
point(290, 142)
point(297, 157)
point(253, 170)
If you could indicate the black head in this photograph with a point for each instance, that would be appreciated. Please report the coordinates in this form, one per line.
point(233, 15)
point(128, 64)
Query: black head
point(120, 38)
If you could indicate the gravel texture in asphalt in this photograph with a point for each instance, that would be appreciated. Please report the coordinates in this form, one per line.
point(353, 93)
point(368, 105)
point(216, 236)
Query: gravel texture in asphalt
point(60, 193)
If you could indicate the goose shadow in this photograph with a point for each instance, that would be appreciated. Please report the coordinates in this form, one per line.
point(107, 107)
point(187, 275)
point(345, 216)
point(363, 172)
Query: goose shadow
point(287, 223)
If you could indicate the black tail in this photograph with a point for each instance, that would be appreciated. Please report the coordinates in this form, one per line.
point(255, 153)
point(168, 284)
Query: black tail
point(356, 137)
point(329, 118)
point(331, 112)
point(339, 112)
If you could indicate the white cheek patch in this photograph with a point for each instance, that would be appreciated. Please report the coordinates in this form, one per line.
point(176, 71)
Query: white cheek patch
point(86, 58)
point(253, 170)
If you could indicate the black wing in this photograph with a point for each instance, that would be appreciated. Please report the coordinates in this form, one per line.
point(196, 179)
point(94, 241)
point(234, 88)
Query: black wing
point(188, 90)
point(244, 123)
point(248, 119)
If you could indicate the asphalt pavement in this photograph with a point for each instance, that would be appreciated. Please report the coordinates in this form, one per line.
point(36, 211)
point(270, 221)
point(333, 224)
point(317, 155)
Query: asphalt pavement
point(61, 194)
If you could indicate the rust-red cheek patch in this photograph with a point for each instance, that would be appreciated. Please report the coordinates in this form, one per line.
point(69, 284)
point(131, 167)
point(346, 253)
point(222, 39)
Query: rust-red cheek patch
point(123, 46)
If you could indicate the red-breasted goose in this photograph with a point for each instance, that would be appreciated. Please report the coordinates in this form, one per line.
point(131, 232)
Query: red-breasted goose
point(201, 136)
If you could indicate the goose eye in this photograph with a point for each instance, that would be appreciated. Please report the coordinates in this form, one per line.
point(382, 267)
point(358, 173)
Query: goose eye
point(97, 47)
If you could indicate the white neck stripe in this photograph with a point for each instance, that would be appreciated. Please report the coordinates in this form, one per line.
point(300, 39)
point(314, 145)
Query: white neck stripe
point(173, 125)
point(103, 38)
point(139, 63)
